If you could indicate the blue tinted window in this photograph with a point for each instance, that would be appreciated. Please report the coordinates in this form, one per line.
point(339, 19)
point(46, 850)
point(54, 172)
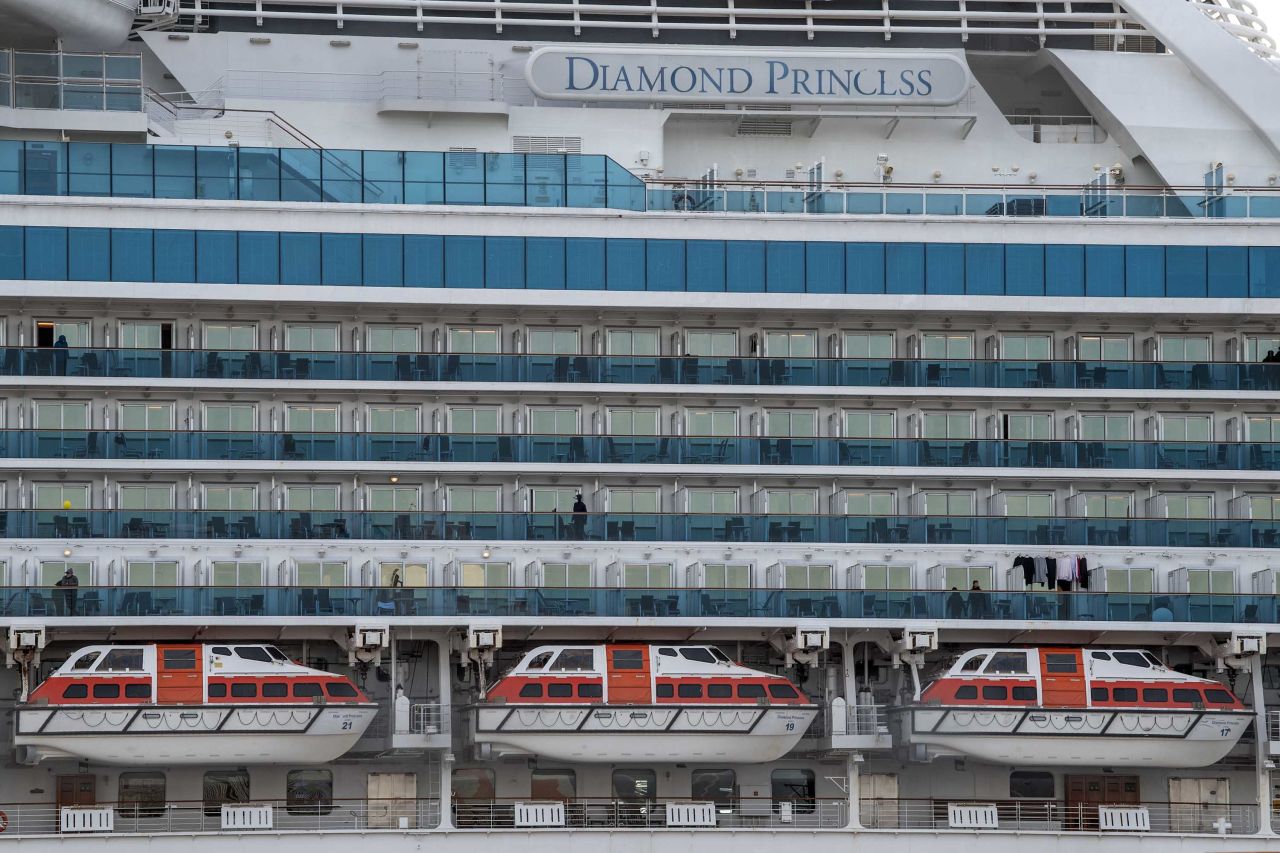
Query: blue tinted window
point(625, 260)
point(984, 268)
point(1144, 271)
point(904, 267)
point(383, 259)
point(299, 258)
point(1064, 270)
point(175, 256)
point(545, 257)
point(1024, 270)
point(89, 254)
point(705, 260)
point(1104, 270)
point(131, 255)
point(1264, 272)
point(864, 267)
point(744, 266)
point(944, 268)
point(1228, 270)
point(259, 260)
point(504, 262)
point(423, 261)
point(824, 267)
point(463, 261)
point(1186, 274)
point(664, 265)
point(215, 257)
point(47, 253)
point(584, 263)
point(11, 264)
point(341, 258)
point(784, 267)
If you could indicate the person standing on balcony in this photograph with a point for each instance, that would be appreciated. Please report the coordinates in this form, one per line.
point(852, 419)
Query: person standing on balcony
point(69, 584)
point(60, 347)
point(579, 517)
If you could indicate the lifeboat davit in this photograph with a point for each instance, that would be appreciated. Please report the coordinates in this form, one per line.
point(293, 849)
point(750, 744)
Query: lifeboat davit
point(628, 703)
point(1071, 707)
point(190, 704)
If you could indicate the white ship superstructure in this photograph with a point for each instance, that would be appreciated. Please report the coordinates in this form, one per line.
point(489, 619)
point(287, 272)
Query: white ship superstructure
point(460, 423)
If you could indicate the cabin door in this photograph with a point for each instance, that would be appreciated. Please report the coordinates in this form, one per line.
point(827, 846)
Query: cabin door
point(179, 675)
point(78, 790)
point(1196, 805)
point(629, 682)
point(1062, 678)
point(393, 801)
point(1086, 792)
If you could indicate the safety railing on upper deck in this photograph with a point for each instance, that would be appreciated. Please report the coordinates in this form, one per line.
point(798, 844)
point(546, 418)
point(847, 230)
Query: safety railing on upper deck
point(51, 80)
point(1051, 816)
point(606, 813)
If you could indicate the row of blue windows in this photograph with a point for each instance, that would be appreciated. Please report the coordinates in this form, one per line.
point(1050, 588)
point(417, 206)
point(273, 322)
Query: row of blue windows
point(594, 263)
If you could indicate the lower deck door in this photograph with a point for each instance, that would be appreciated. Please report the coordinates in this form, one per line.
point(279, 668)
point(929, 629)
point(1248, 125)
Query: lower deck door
point(393, 801)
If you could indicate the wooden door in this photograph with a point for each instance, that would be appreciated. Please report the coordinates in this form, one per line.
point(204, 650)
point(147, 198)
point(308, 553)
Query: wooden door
point(1062, 678)
point(179, 675)
point(393, 801)
point(878, 793)
point(1086, 792)
point(80, 789)
point(629, 681)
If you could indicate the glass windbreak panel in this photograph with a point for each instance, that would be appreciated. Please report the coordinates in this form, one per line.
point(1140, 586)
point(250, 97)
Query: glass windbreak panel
point(146, 416)
point(1106, 427)
point(726, 576)
point(227, 498)
point(404, 574)
point(944, 345)
point(802, 423)
point(1265, 507)
point(554, 342)
point(230, 336)
point(648, 575)
point(1141, 581)
point(237, 573)
point(1029, 504)
point(791, 344)
point(1258, 348)
point(311, 498)
point(634, 421)
point(634, 342)
point(1186, 427)
point(720, 422)
point(1105, 348)
point(965, 577)
point(1185, 348)
point(949, 503)
point(562, 575)
point(321, 573)
point(868, 345)
point(64, 496)
point(52, 571)
point(641, 501)
point(60, 415)
point(481, 420)
point(1108, 505)
point(299, 337)
point(548, 499)
point(871, 502)
point(807, 576)
point(146, 497)
point(1027, 347)
point(1028, 426)
point(137, 335)
point(792, 501)
point(1216, 581)
point(948, 425)
point(712, 344)
point(393, 419)
point(1188, 506)
point(471, 498)
point(230, 417)
point(402, 339)
point(304, 418)
point(152, 573)
point(721, 501)
point(484, 574)
point(886, 576)
point(1262, 428)
point(394, 498)
point(558, 421)
point(868, 424)
point(474, 339)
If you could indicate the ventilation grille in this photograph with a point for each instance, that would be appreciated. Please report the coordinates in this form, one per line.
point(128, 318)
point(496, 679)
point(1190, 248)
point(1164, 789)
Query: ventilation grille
point(1136, 43)
point(546, 144)
point(764, 127)
point(691, 106)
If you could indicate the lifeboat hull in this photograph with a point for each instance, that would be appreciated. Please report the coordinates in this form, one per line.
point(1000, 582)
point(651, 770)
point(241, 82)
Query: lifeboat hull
point(611, 734)
point(176, 735)
point(1078, 738)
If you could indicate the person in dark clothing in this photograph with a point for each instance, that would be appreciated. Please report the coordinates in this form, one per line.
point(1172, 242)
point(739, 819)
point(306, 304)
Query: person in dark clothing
point(579, 517)
point(955, 604)
point(979, 606)
point(69, 585)
point(60, 347)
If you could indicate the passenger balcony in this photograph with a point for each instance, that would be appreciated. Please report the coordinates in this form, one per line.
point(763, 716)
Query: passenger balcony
point(996, 815)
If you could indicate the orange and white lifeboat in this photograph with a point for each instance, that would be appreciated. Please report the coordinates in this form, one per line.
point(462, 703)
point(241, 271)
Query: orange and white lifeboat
point(625, 702)
point(1076, 707)
point(190, 704)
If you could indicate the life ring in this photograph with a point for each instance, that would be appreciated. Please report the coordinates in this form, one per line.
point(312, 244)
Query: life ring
point(4, 821)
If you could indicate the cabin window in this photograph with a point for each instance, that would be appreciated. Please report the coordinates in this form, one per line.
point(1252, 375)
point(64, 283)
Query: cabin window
point(667, 652)
point(719, 691)
point(590, 691)
point(716, 786)
point(783, 691)
point(719, 655)
point(1186, 695)
point(275, 690)
point(689, 691)
point(699, 655)
point(253, 653)
point(1060, 663)
point(1125, 694)
point(1031, 784)
point(967, 691)
point(628, 659)
point(575, 660)
point(635, 784)
point(122, 660)
point(553, 784)
point(85, 661)
point(750, 691)
point(137, 691)
point(306, 690)
point(1099, 694)
point(1024, 694)
point(1221, 697)
point(224, 786)
point(222, 651)
point(217, 691)
point(1008, 663)
point(973, 664)
point(309, 792)
point(243, 690)
point(474, 783)
point(141, 794)
point(276, 654)
point(1101, 655)
point(531, 691)
point(559, 691)
point(106, 691)
point(795, 786)
point(75, 691)
point(340, 690)
point(1155, 694)
point(666, 691)
point(992, 691)
point(1155, 661)
point(1133, 659)
point(539, 661)
point(179, 658)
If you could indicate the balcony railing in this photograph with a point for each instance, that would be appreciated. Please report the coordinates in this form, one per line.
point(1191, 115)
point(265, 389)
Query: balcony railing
point(44, 80)
point(644, 370)
point(465, 602)
point(639, 527)
point(1051, 816)
point(635, 450)
point(604, 813)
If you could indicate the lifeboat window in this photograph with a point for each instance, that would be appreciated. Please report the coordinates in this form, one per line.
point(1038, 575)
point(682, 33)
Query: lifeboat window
point(1155, 694)
point(106, 691)
point(1133, 659)
point(783, 691)
point(590, 691)
point(1155, 661)
point(223, 651)
point(531, 691)
point(1099, 694)
point(628, 659)
point(1221, 697)
point(967, 691)
point(1008, 663)
point(244, 690)
point(973, 664)
point(575, 660)
point(667, 652)
point(1060, 663)
point(275, 690)
point(1024, 694)
point(559, 691)
point(217, 691)
point(700, 655)
point(1100, 655)
point(122, 660)
point(277, 654)
point(539, 661)
point(689, 691)
point(1031, 785)
point(137, 691)
point(306, 690)
point(1185, 694)
point(720, 656)
point(253, 653)
point(1125, 694)
point(719, 691)
point(993, 691)
point(750, 691)
point(340, 690)
point(75, 691)
point(85, 661)
point(179, 658)
point(666, 691)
